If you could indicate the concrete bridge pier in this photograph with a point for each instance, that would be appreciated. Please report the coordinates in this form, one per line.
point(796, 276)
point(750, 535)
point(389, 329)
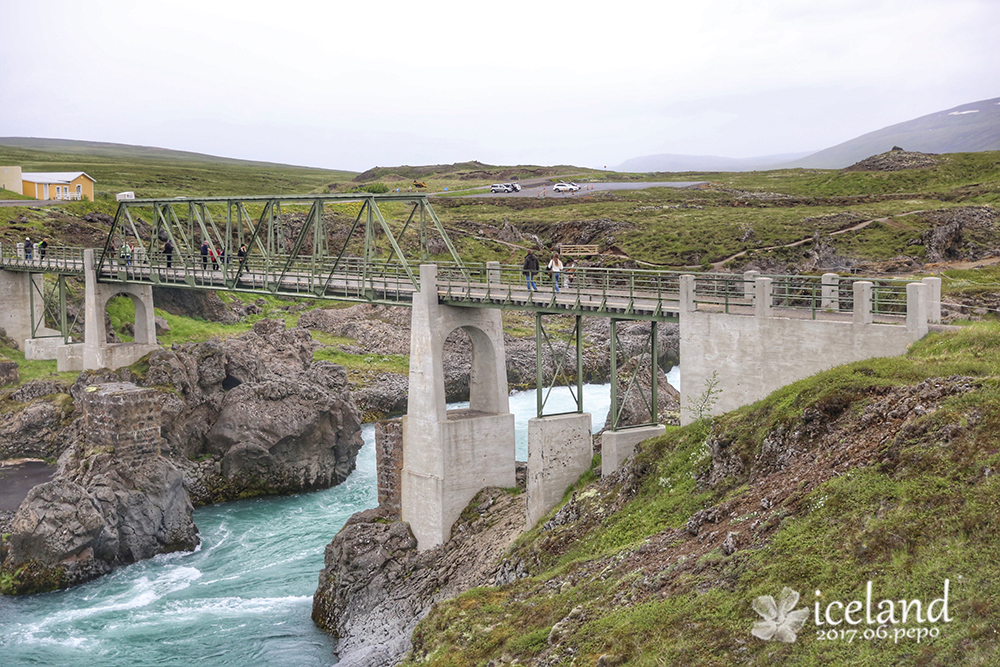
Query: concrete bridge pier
point(449, 455)
point(95, 352)
point(560, 449)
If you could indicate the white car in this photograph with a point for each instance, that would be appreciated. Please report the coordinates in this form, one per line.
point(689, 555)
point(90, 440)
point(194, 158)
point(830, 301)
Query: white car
point(565, 187)
point(500, 187)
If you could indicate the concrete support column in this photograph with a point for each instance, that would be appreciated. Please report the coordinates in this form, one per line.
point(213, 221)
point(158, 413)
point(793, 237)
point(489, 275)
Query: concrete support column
point(97, 352)
point(829, 291)
point(933, 300)
point(448, 456)
point(916, 306)
point(762, 297)
point(560, 449)
point(16, 304)
point(862, 302)
point(749, 284)
point(616, 446)
point(687, 294)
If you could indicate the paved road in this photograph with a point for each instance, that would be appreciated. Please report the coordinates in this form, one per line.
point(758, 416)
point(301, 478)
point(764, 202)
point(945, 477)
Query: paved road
point(31, 202)
point(546, 190)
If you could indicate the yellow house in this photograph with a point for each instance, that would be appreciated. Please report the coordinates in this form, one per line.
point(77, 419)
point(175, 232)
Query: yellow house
point(73, 185)
point(10, 179)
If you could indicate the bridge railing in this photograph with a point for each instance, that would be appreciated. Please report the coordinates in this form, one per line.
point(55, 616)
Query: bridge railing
point(53, 259)
point(724, 291)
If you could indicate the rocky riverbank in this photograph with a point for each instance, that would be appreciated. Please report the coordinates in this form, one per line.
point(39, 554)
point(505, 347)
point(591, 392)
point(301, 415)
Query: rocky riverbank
point(376, 586)
point(246, 416)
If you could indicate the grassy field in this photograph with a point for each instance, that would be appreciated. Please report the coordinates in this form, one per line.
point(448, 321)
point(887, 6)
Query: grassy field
point(152, 172)
point(737, 212)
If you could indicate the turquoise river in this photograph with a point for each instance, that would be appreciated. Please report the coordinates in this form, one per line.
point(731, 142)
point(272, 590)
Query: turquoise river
point(243, 598)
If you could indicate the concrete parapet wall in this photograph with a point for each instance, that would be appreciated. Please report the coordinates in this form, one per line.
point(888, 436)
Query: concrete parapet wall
point(69, 357)
point(753, 356)
point(560, 449)
point(43, 348)
point(616, 446)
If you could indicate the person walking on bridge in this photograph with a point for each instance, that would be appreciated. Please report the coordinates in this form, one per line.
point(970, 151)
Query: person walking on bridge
point(555, 266)
point(204, 255)
point(529, 269)
point(28, 247)
point(168, 250)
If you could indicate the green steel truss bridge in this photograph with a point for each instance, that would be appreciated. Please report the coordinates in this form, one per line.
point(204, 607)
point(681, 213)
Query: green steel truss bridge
point(367, 248)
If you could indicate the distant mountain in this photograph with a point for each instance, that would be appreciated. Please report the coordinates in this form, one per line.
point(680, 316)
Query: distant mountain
point(969, 128)
point(672, 162)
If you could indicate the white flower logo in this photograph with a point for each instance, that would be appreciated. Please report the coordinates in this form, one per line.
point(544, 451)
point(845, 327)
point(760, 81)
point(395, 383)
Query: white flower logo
point(780, 622)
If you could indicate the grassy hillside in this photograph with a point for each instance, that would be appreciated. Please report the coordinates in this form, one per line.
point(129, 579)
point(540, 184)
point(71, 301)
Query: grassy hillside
point(155, 172)
point(880, 471)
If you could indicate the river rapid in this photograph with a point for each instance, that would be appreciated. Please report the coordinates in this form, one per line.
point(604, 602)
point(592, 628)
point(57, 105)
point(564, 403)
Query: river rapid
point(243, 598)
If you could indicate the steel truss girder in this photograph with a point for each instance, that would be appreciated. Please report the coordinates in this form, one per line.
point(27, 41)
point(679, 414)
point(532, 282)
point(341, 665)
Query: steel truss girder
point(188, 222)
point(53, 307)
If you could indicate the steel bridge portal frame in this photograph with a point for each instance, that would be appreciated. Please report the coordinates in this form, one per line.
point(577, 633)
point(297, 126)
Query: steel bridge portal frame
point(225, 224)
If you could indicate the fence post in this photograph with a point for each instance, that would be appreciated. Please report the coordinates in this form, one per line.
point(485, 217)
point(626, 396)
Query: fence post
point(916, 306)
point(829, 297)
point(749, 280)
point(762, 296)
point(687, 294)
point(862, 302)
point(933, 300)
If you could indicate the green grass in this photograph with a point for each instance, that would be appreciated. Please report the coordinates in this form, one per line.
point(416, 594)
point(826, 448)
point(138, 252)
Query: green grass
point(925, 510)
point(162, 173)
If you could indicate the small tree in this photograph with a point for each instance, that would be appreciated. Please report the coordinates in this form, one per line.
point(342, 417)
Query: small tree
point(701, 408)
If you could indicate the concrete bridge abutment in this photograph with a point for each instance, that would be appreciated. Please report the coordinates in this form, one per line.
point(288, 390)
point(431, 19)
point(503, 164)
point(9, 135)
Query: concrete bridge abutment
point(22, 307)
point(449, 455)
point(748, 357)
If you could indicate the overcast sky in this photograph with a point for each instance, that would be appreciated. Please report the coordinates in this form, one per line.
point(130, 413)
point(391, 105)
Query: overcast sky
point(355, 85)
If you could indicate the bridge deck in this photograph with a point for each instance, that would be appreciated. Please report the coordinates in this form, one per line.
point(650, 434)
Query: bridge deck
point(620, 293)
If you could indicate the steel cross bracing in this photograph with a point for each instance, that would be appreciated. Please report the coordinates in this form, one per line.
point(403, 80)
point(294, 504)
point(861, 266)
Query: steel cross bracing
point(328, 246)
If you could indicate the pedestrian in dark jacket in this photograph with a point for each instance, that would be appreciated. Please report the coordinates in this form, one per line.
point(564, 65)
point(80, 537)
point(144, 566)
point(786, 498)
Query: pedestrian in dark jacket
point(168, 250)
point(204, 254)
point(529, 269)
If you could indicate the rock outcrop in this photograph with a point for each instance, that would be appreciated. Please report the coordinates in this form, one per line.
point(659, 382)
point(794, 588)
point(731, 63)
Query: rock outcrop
point(254, 415)
point(114, 500)
point(376, 586)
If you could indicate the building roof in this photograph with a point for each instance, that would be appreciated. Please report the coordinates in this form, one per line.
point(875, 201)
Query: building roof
point(60, 177)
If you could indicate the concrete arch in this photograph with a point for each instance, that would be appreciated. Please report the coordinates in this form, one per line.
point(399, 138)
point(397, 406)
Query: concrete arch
point(97, 352)
point(449, 455)
point(487, 356)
